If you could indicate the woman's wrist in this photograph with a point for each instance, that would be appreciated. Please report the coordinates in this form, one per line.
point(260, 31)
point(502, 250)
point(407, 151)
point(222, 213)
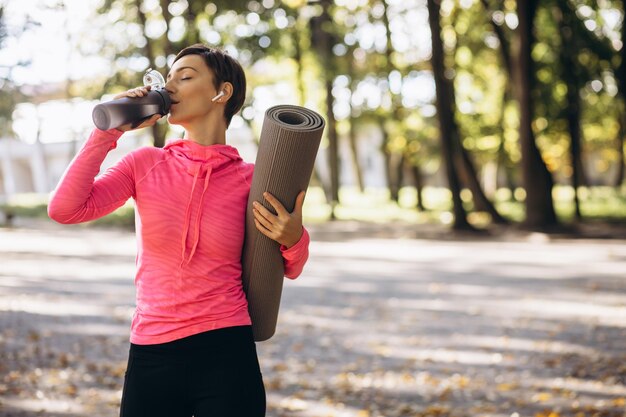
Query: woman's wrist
point(295, 242)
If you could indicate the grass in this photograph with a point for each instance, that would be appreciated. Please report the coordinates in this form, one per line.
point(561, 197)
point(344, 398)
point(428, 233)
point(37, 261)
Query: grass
point(35, 206)
point(374, 205)
point(597, 203)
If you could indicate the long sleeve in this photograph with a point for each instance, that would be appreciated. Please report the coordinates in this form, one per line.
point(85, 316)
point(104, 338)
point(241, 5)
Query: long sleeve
point(296, 256)
point(80, 196)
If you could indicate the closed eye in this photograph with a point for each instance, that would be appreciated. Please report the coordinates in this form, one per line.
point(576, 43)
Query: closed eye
point(186, 78)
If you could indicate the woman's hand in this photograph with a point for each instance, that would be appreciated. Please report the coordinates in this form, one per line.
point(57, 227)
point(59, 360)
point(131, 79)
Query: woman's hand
point(137, 92)
point(283, 227)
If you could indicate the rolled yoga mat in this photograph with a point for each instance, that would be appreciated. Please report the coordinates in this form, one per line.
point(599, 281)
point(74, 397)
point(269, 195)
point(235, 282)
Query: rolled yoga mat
point(290, 137)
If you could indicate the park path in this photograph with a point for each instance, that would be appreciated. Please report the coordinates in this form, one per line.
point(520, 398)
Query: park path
point(386, 320)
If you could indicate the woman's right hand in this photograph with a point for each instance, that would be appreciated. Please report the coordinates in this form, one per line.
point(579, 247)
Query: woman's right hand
point(137, 92)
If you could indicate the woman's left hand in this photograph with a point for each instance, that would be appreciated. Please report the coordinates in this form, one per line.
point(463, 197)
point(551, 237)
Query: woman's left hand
point(283, 227)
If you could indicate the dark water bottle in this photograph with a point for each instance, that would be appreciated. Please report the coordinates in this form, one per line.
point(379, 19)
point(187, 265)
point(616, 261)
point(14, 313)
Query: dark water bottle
point(116, 113)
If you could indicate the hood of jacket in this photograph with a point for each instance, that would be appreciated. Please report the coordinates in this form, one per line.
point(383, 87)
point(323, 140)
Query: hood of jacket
point(194, 156)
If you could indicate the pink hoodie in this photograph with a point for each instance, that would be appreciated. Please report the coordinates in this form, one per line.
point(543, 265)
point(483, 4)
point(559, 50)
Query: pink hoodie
point(190, 206)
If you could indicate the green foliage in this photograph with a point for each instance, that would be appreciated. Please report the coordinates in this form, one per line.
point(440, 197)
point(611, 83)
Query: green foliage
point(9, 93)
point(34, 207)
point(373, 52)
point(595, 82)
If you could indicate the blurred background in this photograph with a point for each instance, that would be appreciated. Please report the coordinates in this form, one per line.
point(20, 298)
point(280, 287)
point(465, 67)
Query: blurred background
point(467, 207)
point(466, 113)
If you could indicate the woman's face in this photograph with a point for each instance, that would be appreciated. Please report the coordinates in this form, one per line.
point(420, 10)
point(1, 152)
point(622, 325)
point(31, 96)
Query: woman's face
point(190, 85)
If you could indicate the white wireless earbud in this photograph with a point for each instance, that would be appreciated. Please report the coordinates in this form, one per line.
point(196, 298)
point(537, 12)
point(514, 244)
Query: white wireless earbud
point(217, 97)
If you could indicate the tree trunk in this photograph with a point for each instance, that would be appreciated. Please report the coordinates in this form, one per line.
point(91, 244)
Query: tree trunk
point(333, 144)
point(447, 125)
point(503, 156)
point(297, 56)
point(398, 176)
point(418, 181)
point(352, 135)
point(536, 177)
point(315, 177)
point(481, 201)
point(39, 167)
point(505, 48)
point(168, 48)
point(619, 178)
point(396, 159)
point(192, 34)
point(621, 82)
point(573, 123)
point(354, 152)
point(386, 155)
point(322, 41)
point(148, 50)
point(158, 131)
point(505, 54)
point(571, 76)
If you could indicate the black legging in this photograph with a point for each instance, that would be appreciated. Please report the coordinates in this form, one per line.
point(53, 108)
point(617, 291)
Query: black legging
point(212, 374)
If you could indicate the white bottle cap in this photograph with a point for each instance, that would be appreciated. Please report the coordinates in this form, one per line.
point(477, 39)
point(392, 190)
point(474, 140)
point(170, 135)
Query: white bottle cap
point(154, 79)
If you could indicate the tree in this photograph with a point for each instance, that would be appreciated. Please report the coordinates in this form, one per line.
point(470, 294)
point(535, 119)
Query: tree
point(507, 95)
point(322, 41)
point(448, 129)
point(352, 134)
point(394, 161)
point(572, 76)
point(464, 166)
point(159, 131)
point(536, 178)
point(620, 74)
point(10, 94)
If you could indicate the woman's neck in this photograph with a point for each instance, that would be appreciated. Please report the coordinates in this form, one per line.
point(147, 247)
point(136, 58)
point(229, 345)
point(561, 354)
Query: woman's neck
point(207, 132)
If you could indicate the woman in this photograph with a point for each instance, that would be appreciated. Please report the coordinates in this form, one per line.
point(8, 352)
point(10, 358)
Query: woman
point(192, 350)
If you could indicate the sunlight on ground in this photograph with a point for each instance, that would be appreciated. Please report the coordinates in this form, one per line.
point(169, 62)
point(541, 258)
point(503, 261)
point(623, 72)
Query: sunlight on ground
point(45, 405)
point(525, 325)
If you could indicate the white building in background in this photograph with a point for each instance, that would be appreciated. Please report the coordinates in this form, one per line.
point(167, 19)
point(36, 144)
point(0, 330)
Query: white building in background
point(37, 167)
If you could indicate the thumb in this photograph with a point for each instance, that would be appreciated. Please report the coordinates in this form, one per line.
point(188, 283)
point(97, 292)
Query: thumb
point(299, 202)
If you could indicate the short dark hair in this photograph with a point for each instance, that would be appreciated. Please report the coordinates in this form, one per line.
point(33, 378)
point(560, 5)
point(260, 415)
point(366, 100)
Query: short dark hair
point(226, 69)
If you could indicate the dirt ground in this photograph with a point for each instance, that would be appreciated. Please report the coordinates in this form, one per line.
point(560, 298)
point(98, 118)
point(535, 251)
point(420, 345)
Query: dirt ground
point(386, 321)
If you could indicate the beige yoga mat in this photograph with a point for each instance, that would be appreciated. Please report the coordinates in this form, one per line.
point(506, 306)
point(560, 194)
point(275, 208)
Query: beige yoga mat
point(288, 145)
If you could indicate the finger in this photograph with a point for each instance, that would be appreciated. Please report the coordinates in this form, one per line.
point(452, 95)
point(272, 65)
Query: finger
point(134, 92)
point(259, 217)
point(299, 203)
point(139, 92)
point(142, 91)
point(129, 93)
point(122, 95)
point(146, 123)
point(268, 215)
point(280, 209)
point(151, 121)
point(155, 117)
point(263, 229)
